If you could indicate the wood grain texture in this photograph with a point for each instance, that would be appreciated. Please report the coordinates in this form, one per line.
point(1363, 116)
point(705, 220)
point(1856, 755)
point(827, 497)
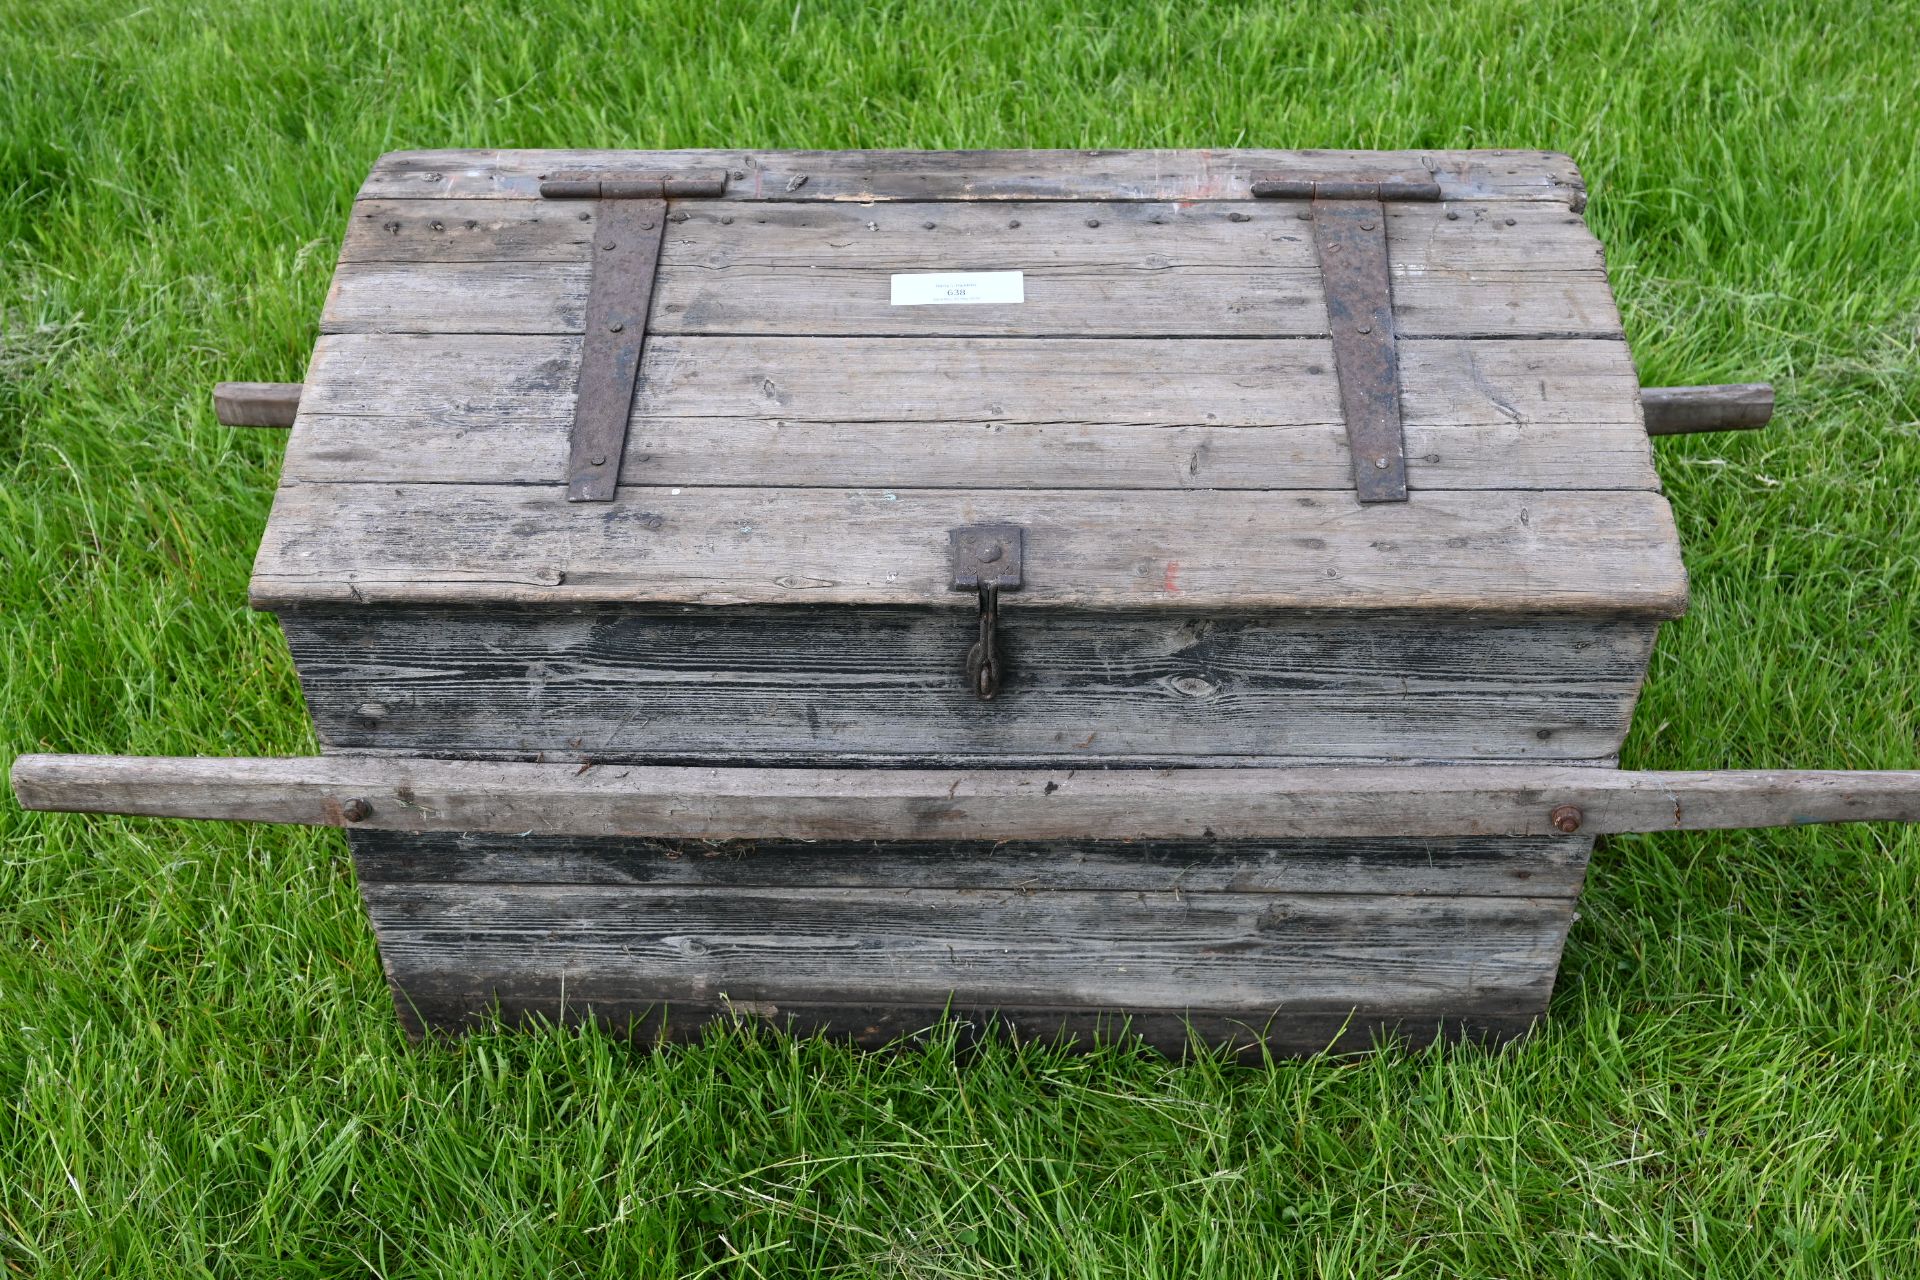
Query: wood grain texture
point(1237, 951)
point(1492, 552)
point(1538, 867)
point(819, 686)
point(1090, 270)
point(1246, 1035)
point(971, 413)
point(413, 794)
point(861, 176)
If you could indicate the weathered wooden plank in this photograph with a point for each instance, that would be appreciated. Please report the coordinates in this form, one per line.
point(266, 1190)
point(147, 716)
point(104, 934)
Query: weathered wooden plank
point(971, 414)
point(1165, 236)
point(1538, 867)
point(863, 176)
point(1673, 411)
point(729, 452)
point(983, 381)
point(1489, 551)
point(416, 794)
point(803, 685)
point(1091, 270)
point(1246, 1035)
point(1238, 951)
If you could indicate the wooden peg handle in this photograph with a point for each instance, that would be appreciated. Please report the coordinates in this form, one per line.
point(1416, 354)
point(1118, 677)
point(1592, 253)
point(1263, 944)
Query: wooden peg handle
point(256, 404)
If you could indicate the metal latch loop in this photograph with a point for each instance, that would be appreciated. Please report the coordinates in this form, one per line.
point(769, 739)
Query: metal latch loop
point(987, 559)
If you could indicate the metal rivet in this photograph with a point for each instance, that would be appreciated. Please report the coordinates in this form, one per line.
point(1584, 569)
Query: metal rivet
point(1366, 226)
point(614, 326)
point(647, 225)
point(599, 459)
point(1366, 328)
point(585, 216)
point(989, 554)
point(1453, 215)
point(727, 221)
point(1509, 221)
point(1093, 222)
point(1380, 463)
point(607, 244)
point(1014, 222)
point(1237, 216)
point(1565, 819)
point(927, 226)
point(438, 225)
point(356, 810)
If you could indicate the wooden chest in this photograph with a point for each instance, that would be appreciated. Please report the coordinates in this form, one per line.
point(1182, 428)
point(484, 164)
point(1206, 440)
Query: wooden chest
point(1121, 489)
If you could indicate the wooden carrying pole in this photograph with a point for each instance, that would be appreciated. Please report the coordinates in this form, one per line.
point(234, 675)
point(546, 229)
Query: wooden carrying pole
point(411, 794)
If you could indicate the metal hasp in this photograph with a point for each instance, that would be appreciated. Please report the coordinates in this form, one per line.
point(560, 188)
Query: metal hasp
point(1350, 233)
point(987, 558)
point(629, 219)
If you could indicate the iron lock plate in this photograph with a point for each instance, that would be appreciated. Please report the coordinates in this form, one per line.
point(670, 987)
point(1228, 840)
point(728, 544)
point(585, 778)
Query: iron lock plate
point(988, 555)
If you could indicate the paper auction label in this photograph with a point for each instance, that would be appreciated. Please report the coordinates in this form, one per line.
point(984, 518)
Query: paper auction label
point(958, 286)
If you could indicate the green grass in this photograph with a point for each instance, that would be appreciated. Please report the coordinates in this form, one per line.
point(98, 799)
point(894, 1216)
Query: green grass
point(199, 1070)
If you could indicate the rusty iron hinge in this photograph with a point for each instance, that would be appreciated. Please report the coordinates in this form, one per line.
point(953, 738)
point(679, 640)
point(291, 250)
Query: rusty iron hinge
point(988, 559)
point(1350, 233)
point(629, 219)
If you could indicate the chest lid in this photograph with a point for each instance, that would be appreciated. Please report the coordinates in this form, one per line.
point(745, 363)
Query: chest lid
point(1197, 380)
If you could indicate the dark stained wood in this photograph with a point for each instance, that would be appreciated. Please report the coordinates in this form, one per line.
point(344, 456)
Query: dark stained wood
point(1244, 1036)
point(817, 686)
point(991, 948)
point(1539, 867)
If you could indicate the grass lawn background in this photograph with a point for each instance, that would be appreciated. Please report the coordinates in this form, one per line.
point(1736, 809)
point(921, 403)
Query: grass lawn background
point(200, 1074)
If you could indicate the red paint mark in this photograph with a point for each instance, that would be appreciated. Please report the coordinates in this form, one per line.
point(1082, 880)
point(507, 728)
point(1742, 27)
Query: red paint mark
point(1173, 577)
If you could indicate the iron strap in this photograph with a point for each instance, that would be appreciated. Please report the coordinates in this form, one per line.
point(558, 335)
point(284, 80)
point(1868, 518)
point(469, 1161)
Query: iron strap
point(1350, 234)
point(626, 251)
point(629, 221)
point(1351, 237)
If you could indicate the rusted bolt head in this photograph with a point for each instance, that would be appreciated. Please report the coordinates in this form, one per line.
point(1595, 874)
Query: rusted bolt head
point(356, 810)
point(1565, 819)
point(989, 554)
